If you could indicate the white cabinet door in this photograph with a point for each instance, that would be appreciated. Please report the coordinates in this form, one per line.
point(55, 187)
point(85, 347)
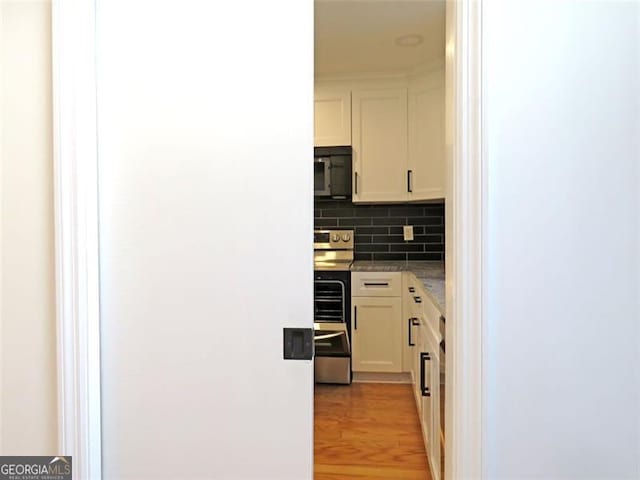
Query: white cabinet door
point(376, 334)
point(416, 367)
point(409, 330)
point(431, 401)
point(332, 117)
point(380, 145)
point(426, 163)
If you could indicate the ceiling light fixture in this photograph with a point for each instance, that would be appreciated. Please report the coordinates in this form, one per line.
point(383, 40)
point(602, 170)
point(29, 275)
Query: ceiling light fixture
point(410, 40)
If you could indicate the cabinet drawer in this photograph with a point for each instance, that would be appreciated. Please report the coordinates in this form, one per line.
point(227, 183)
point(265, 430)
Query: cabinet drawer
point(376, 284)
point(416, 303)
point(429, 317)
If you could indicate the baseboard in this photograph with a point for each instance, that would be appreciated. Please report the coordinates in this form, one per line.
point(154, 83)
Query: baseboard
point(382, 377)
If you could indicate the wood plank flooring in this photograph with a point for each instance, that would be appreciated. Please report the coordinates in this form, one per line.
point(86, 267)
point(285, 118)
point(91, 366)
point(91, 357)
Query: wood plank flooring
point(368, 431)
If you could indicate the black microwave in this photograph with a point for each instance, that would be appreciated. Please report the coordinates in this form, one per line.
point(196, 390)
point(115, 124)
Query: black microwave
point(332, 172)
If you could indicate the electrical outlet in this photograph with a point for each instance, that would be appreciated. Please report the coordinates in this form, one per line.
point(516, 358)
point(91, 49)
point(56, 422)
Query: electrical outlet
point(408, 232)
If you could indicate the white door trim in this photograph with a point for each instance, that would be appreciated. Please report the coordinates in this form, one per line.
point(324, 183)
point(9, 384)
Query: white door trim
point(2, 67)
point(76, 235)
point(466, 220)
point(77, 253)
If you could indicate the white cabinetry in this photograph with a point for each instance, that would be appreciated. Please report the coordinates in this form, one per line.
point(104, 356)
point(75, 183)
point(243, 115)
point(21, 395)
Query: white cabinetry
point(375, 322)
point(430, 359)
point(410, 332)
point(395, 328)
point(376, 334)
point(423, 360)
point(332, 117)
point(396, 128)
point(426, 163)
point(376, 284)
point(380, 145)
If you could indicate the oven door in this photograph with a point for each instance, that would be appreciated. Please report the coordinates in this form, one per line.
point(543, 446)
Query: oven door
point(330, 301)
point(322, 176)
point(331, 340)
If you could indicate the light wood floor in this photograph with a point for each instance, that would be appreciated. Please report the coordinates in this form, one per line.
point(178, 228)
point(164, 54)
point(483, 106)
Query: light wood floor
point(368, 431)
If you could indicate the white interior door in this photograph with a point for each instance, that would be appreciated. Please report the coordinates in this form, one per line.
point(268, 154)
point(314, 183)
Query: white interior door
point(204, 115)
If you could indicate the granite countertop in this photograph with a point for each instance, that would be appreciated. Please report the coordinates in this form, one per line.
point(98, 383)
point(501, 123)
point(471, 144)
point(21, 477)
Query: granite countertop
point(431, 274)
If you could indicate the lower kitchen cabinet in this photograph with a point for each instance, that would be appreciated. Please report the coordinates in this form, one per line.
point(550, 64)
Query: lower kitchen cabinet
point(416, 369)
point(430, 418)
point(395, 328)
point(422, 357)
point(376, 334)
point(425, 373)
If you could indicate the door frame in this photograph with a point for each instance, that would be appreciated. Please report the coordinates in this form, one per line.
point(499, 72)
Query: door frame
point(465, 217)
point(77, 264)
point(77, 247)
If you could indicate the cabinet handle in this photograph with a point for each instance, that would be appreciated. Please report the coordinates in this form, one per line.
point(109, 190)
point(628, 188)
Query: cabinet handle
point(412, 290)
point(410, 181)
point(417, 299)
point(355, 317)
point(356, 182)
point(376, 284)
point(423, 388)
point(413, 322)
point(328, 335)
point(411, 344)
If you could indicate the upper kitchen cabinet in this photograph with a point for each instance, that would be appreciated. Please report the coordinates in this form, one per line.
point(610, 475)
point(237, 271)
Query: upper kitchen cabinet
point(398, 141)
point(426, 141)
point(380, 145)
point(332, 117)
point(391, 57)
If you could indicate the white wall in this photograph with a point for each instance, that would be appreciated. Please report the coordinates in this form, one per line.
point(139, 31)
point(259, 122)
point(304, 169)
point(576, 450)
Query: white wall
point(28, 416)
point(563, 127)
point(205, 136)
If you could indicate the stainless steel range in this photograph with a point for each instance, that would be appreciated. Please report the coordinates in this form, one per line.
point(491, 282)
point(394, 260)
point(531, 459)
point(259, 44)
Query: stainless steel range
point(333, 256)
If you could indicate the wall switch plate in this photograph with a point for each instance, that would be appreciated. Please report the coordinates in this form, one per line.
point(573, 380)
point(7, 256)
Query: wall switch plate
point(408, 232)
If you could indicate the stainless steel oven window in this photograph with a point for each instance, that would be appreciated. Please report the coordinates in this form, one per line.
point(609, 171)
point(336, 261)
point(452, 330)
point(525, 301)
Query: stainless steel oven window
point(329, 301)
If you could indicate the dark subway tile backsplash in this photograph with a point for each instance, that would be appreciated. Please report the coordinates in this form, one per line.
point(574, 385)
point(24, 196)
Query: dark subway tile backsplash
point(431, 256)
point(378, 228)
point(390, 256)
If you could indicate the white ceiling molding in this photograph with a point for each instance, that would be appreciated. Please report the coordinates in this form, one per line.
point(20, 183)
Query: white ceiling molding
point(345, 77)
point(428, 67)
point(422, 69)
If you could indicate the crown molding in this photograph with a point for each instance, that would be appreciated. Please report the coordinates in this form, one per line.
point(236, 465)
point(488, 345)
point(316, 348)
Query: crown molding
point(428, 67)
point(359, 76)
point(420, 69)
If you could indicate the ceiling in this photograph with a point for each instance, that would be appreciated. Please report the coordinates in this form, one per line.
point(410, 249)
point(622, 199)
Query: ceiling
point(359, 36)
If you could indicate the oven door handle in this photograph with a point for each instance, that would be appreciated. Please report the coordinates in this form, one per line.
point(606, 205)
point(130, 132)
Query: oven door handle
point(329, 335)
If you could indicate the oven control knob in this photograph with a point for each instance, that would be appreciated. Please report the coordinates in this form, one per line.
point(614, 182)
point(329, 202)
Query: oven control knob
point(335, 237)
point(346, 237)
